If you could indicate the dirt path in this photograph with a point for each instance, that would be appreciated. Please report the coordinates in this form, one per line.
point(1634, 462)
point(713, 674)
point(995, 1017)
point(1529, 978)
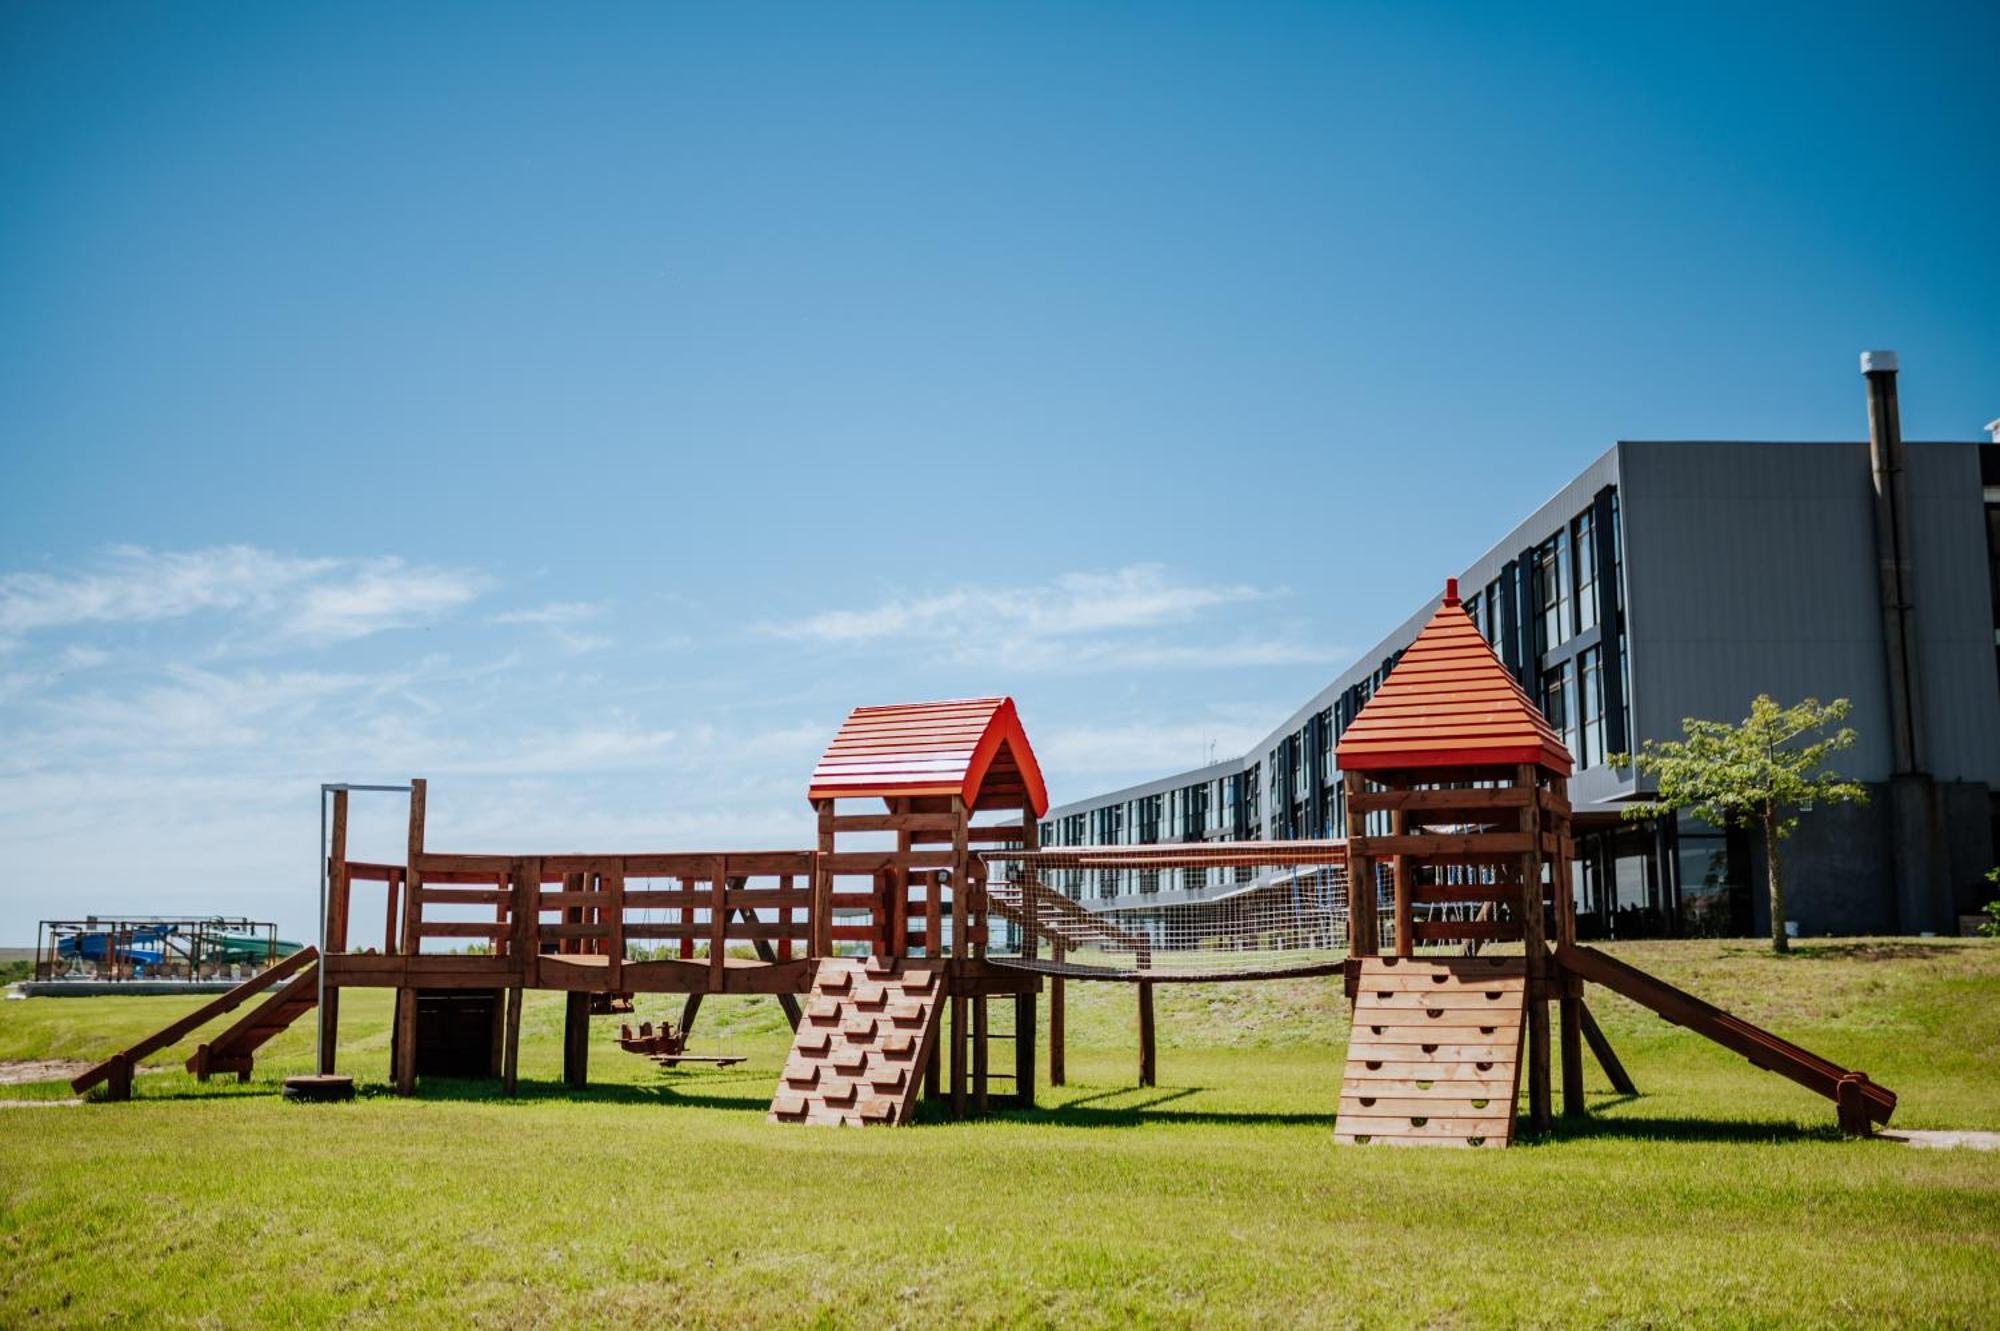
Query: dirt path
point(41, 1069)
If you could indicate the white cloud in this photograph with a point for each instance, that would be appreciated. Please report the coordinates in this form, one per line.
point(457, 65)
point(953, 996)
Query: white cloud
point(555, 612)
point(374, 595)
point(134, 585)
point(1150, 748)
point(1137, 596)
point(1075, 622)
point(274, 598)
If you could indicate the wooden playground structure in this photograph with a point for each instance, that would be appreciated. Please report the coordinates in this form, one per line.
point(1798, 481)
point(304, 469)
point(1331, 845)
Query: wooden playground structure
point(1457, 792)
point(880, 941)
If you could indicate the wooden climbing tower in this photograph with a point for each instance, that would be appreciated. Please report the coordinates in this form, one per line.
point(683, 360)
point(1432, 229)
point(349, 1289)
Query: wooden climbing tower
point(923, 785)
point(1458, 805)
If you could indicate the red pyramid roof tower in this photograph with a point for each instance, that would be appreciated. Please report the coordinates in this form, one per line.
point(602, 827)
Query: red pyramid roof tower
point(1450, 702)
point(974, 748)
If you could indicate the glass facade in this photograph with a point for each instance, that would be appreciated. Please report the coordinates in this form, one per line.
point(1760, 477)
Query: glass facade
point(1555, 616)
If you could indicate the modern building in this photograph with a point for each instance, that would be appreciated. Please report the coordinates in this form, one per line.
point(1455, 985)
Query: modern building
point(1674, 580)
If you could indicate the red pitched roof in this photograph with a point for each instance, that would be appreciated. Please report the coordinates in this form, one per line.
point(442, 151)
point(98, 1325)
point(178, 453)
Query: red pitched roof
point(1449, 702)
point(973, 748)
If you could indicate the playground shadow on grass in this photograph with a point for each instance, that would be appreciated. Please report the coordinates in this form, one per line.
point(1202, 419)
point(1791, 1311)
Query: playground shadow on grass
point(1744, 1132)
point(1148, 1109)
point(742, 1092)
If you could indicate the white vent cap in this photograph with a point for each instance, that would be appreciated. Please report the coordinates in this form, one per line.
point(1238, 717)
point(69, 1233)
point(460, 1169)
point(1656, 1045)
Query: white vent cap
point(1874, 362)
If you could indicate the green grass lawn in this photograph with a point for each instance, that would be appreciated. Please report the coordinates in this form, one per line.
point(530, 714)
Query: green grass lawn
point(1720, 1195)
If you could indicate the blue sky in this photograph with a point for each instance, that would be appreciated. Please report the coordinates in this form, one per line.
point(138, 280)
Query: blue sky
point(585, 409)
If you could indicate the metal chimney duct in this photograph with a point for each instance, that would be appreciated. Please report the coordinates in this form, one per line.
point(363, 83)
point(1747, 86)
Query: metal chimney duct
point(1892, 536)
point(1923, 889)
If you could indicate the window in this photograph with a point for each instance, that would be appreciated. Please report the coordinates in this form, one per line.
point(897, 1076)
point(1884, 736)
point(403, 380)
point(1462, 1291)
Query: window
point(1553, 580)
point(1590, 707)
point(1556, 704)
point(1583, 539)
point(1490, 599)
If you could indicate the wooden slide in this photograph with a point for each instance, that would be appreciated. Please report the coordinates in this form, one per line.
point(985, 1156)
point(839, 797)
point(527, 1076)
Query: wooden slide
point(232, 1050)
point(1860, 1100)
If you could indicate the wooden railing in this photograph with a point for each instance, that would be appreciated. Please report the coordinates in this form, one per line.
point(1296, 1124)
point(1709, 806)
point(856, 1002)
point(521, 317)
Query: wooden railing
point(695, 904)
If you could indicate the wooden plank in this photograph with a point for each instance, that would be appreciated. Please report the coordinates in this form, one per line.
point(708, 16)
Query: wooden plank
point(1486, 1086)
point(511, 1048)
point(1458, 1051)
point(464, 929)
point(174, 1031)
point(460, 896)
point(1445, 931)
point(1401, 1125)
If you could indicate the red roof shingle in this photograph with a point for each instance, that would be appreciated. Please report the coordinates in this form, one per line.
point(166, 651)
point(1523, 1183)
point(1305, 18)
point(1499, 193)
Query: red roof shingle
point(971, 747)
point(1450, 702)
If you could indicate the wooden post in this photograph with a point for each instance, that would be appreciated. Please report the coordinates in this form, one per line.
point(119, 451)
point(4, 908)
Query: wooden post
point(406, 995)
point(1852, 1107)
point(822, 902)
point(897, 926)
point(611, 881)
point(718, 925)
point(1024, 1050)
point(1399, 874)
point(1058, 1071)
point(1148, 1059)
point(393, 913)
point(1569, 988)
point(1362, 934)
point(961, 892)
point(981, 1034)
point(510, 1057)
point(576, 1041)
point(1024, 1003)
point(1533, 942)
point(336, 931)
point(1607, 1057)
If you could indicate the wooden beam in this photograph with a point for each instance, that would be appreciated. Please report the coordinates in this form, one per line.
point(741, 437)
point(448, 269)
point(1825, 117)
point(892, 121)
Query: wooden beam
point(1607, 1057)
point(1148, 1056)
point(510, 1058)
point(336, 929)
point(576, 1041)
point(1533, 936)
point(404, 1046)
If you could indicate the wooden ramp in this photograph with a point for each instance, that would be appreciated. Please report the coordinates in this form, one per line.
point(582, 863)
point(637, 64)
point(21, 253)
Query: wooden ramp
point(116, 1071)
point(235, 1049)
point(1435, 1055)
point(1859, 1100)
point(859, 1054)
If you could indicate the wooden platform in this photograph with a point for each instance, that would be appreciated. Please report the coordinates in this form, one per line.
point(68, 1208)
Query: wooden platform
point(858, 1056)
point(1434, 1058)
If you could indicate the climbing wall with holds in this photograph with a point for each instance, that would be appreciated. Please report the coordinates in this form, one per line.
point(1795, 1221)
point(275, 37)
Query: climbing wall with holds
point(1435, 1055)
point(860, 1050)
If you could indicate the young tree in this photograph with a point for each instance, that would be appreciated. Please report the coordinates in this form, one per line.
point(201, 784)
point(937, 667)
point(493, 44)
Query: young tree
point(1753, 773)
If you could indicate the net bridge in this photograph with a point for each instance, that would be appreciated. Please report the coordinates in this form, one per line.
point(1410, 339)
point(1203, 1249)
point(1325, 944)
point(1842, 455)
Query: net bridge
point(1192, 913)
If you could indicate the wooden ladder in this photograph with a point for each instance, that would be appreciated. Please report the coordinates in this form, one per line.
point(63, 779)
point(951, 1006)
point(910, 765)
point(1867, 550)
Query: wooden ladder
point(859, 1053)
point(1434, 1058)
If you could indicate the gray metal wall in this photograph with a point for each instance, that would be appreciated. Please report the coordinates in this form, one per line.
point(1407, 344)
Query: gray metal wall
point(1751, 568)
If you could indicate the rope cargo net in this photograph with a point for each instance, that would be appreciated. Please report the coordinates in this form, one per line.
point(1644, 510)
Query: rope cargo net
point(1203, 911)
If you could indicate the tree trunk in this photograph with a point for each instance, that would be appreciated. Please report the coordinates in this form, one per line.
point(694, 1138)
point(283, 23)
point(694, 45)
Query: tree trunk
point(1775, 876)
